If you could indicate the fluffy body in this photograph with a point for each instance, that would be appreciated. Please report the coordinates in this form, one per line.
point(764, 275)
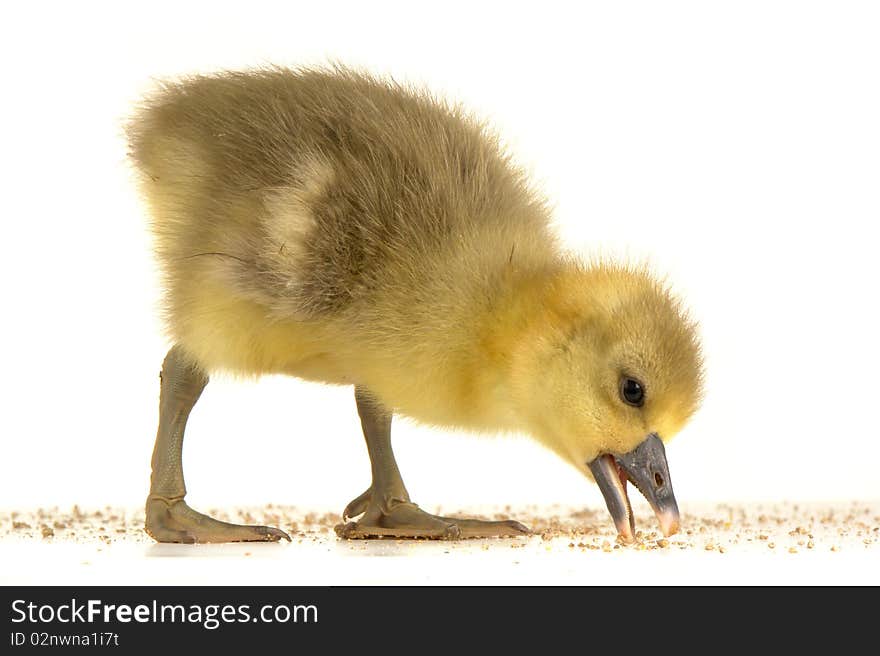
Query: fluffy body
point(340, 228)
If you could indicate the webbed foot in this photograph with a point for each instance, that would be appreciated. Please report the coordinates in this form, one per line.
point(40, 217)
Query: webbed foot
point(402, 519)
point(171, 520)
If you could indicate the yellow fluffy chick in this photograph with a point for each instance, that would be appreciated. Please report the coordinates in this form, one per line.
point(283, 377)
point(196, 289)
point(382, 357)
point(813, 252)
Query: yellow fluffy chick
point(342, 228)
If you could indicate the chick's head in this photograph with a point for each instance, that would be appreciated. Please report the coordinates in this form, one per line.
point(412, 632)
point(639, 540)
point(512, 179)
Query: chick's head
point(619, 372)
point(642, 368)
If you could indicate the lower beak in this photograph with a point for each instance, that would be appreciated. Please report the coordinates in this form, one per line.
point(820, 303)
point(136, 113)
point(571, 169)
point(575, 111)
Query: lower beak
point(646, 467)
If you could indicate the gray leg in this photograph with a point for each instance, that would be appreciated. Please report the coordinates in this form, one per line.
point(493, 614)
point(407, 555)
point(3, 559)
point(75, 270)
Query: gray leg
point(168, 518)
point(386, 506)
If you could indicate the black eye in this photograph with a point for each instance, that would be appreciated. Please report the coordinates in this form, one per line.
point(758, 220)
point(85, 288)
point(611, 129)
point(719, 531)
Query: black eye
point(632, 392)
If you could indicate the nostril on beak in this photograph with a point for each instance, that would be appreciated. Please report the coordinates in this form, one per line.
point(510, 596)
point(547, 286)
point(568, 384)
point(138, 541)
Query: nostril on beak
point(658, 479)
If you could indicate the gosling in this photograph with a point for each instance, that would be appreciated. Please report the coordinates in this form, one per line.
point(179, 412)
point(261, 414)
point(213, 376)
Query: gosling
point(338, 227)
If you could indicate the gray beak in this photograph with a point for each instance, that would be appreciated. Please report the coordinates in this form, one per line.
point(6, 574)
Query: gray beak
point(646, 467)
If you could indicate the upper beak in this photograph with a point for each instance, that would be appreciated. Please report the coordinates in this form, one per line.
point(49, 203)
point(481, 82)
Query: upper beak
point(646, 467)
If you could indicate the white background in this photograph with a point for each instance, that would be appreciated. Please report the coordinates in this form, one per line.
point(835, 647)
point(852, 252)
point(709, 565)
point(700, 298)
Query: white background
point(736, 145)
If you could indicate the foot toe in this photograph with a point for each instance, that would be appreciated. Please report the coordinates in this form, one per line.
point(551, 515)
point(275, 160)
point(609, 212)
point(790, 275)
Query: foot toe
point(272, 534)
point(478, 528)
point(357, 506)
point(517, 527)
